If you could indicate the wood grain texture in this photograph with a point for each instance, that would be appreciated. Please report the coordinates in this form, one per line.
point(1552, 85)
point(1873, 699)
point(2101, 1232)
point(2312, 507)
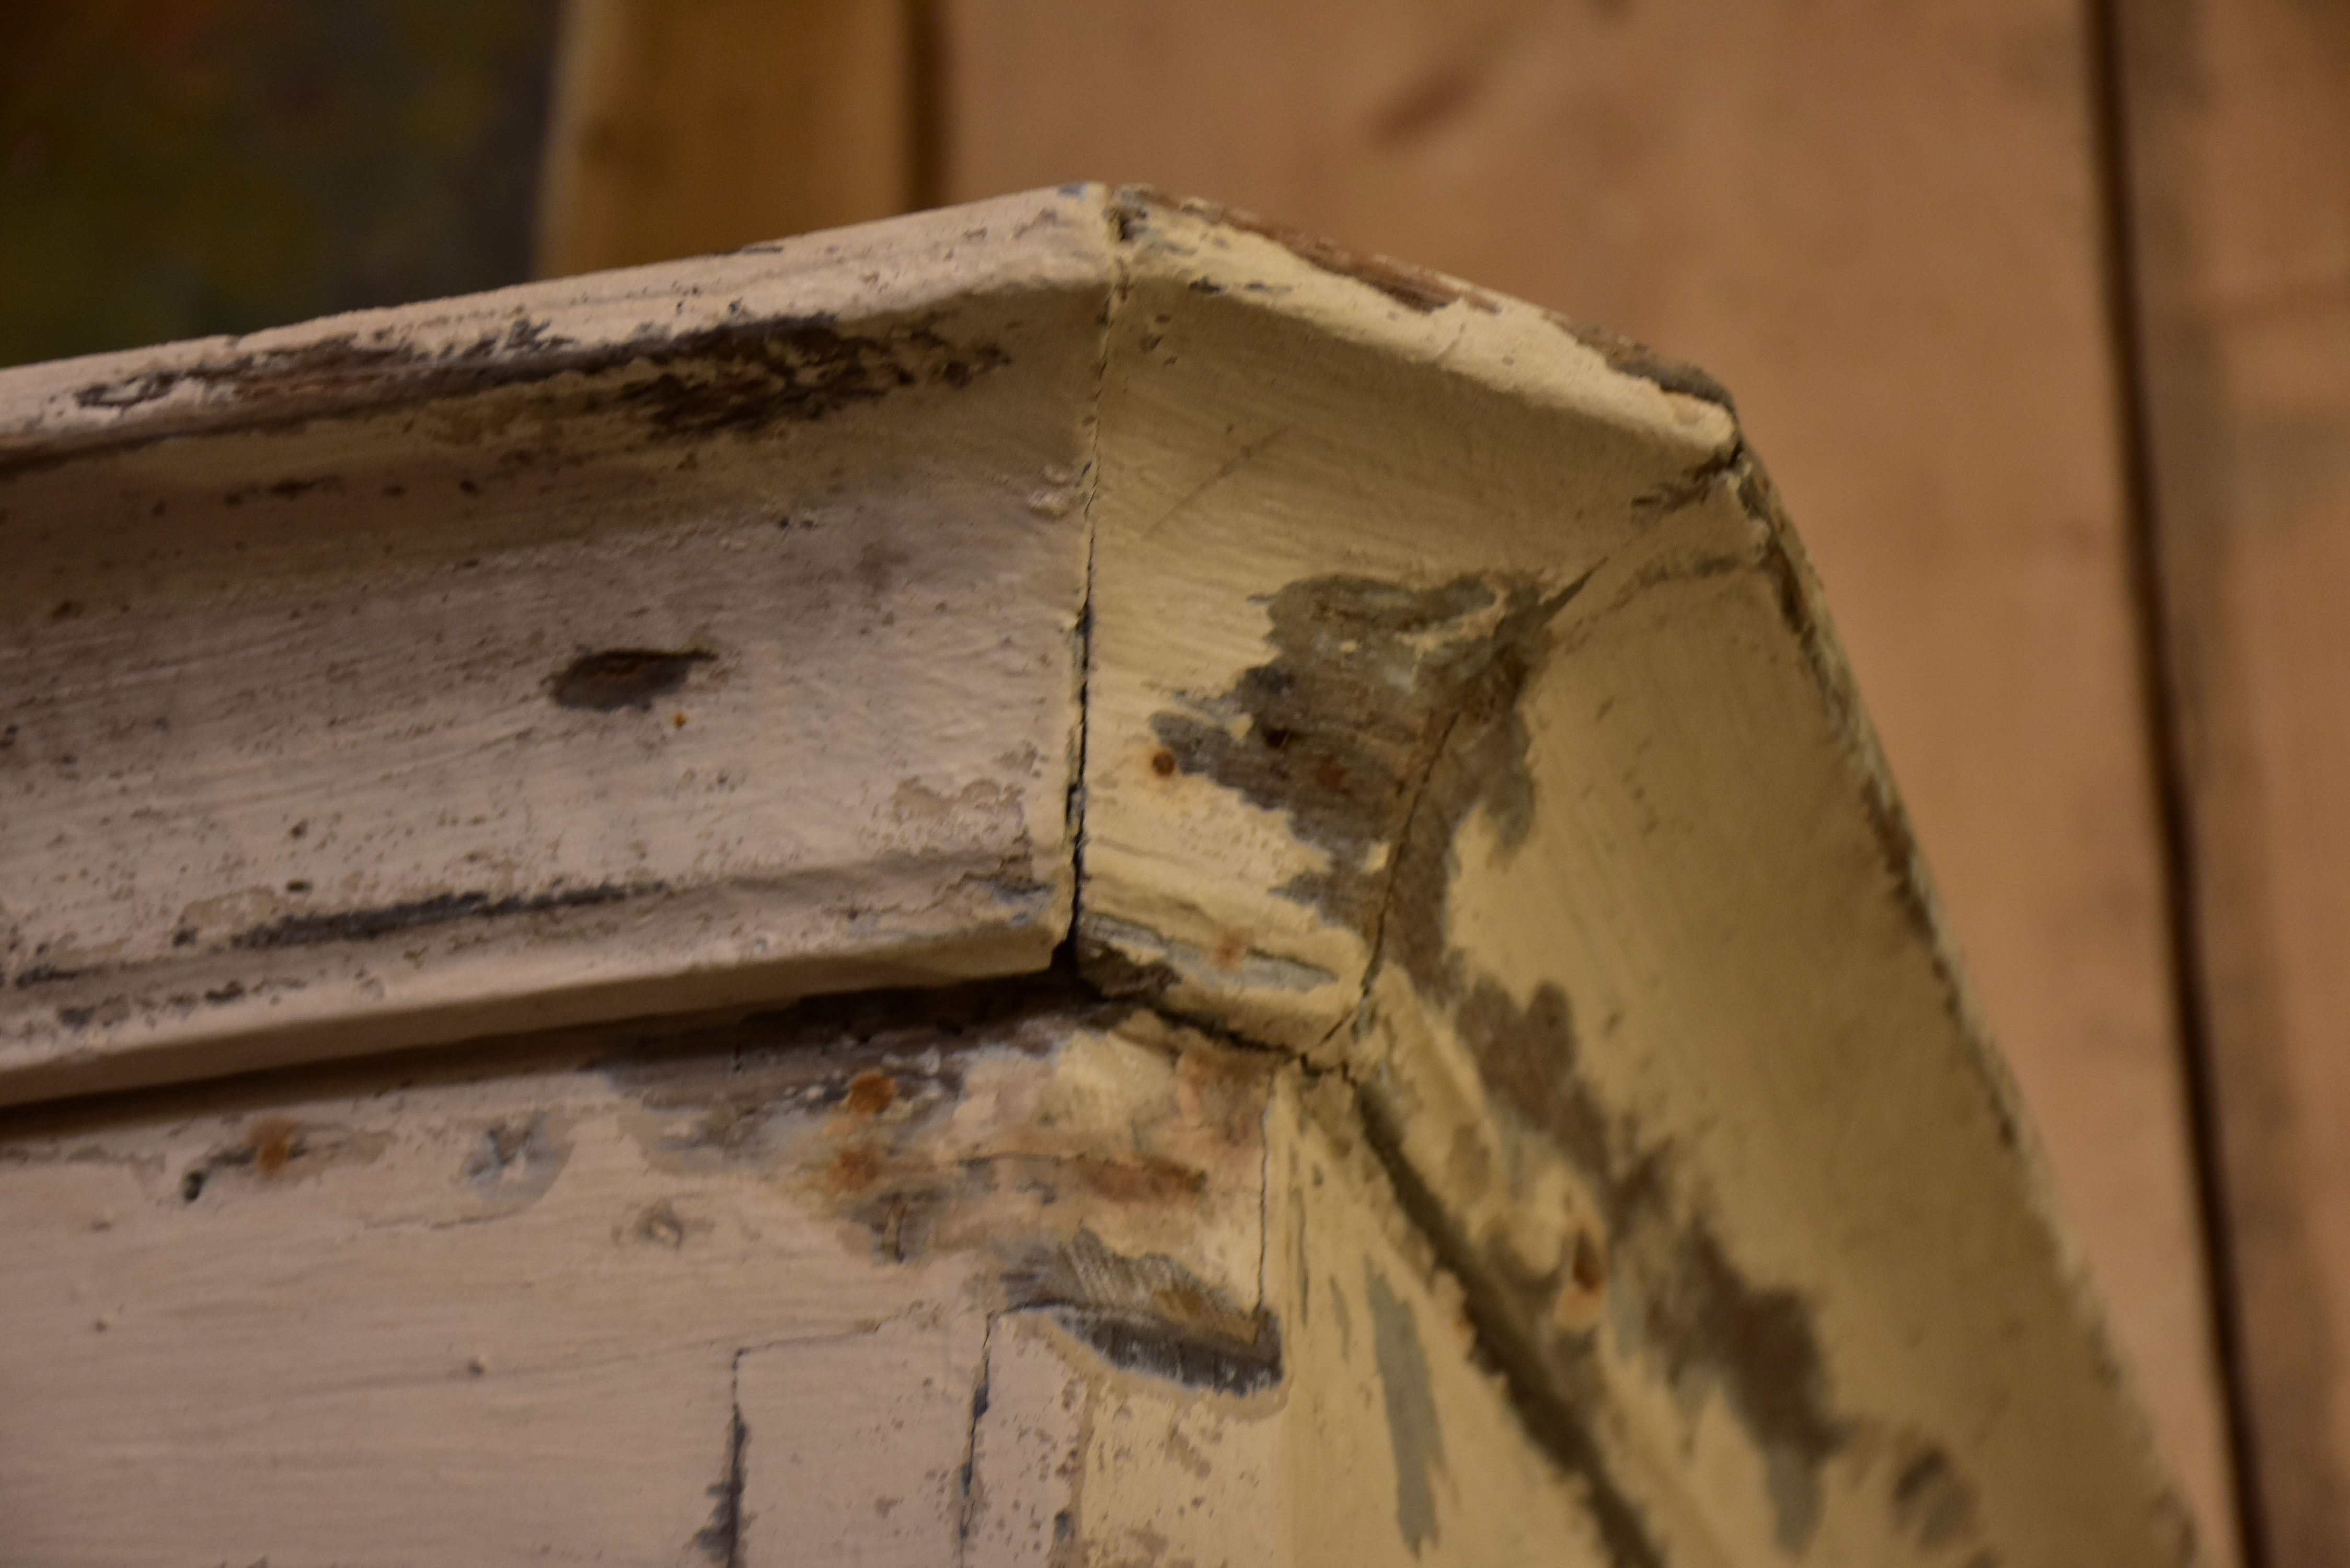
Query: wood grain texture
point(839, 1288)
point(2238, 120)
point(1880, 228)
point(575, 1303)
point(682, 127)
point(1493, 946)
point(571, 649)
point(1510, 771)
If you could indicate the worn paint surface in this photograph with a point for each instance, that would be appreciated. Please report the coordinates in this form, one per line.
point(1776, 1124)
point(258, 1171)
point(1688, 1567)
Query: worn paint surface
point(1601, 1157)
point(581, 726)
point(1412, 1428)
point(428, 1257)
point(1512, 771)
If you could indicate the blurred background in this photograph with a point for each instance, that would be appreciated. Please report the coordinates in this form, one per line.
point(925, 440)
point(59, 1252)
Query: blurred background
point(2039, 309)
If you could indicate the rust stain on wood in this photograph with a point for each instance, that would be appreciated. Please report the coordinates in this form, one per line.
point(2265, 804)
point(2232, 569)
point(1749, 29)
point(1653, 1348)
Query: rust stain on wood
point(389, 919)
point(270, 1147)
point(861, 1095)
point(1387, 717)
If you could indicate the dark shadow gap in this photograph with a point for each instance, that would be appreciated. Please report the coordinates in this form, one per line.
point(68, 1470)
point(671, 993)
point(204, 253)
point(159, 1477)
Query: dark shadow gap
point(2159, 686)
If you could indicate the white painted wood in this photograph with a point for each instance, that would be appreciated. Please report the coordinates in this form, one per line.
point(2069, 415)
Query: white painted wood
point(860, 1444)
point(1600, 1160)
point(663, 640)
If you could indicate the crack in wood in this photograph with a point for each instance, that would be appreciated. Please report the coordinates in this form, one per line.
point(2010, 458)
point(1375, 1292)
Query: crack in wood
point(721, 1540)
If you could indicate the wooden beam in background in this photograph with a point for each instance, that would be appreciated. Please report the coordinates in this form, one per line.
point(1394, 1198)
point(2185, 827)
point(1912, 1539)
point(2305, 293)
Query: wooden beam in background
point(2239, 131)
point(683, 127)
point(1882, 229)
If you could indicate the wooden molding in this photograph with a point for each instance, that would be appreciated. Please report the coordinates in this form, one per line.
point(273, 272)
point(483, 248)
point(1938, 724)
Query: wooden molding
point(1386, 697)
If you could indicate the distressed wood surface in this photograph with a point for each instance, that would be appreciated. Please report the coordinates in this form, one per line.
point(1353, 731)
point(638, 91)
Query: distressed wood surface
point(1880, 227)
point(1506, 1091)
point(679, 128)
point(675, 638)
point(2238, 130)
point(519, 1312)
point(1510, 768)
point(984, 1280)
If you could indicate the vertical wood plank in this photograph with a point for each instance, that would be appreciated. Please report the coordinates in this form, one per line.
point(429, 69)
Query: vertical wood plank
point(687, 126)
point(852, 1447)
point(1881, 228)
point(2239, 118)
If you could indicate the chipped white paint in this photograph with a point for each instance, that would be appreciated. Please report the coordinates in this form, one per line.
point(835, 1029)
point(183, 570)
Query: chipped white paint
point(1603, 1164)
point(489, 1320)
point(475, 666)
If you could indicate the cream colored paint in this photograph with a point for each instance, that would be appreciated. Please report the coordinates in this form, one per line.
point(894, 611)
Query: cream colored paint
point(1601, 1124)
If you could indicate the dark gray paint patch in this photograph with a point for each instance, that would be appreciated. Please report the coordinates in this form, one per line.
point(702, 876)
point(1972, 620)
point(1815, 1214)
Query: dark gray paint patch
point(1387, 717)
point(1412, 1429)
point(51, 974)
point(1551, 1384)
point(1159, 1350)
point(1113, 972)
point(740, 378)
point(617, 678)
point(1338, 729)
point(1686, 1301)
point(1150, 1315)
point(389, 919)
point(1629, 358)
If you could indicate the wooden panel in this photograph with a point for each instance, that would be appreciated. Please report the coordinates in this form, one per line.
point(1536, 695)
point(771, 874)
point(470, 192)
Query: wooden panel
point(879, 1284)
point(862, 1440)
point(1879, 226)
point(572, 648)
point(587, 1301)
point(2240, 126)
point(1458, 713)
point(683, 127)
